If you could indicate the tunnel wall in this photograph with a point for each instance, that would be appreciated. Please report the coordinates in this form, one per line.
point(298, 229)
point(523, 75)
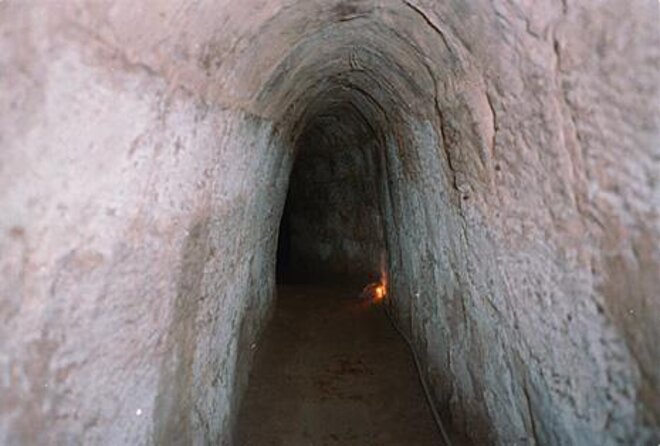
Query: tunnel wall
point(138, 236)
point(145, 155)
point(506, 217)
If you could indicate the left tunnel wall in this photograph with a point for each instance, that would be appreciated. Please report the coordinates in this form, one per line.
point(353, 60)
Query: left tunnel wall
point(130, 279)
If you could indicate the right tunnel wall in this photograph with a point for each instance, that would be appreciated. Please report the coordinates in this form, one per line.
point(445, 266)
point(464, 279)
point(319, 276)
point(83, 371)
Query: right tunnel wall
point(522, 226)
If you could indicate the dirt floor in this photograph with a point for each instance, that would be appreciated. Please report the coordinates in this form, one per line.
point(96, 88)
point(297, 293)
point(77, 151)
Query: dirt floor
point(331, 370)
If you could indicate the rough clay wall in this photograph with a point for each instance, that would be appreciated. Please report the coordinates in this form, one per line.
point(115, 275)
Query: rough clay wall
point(333, 202)
point(144, 156)
point(138, 234)
point(527, 253)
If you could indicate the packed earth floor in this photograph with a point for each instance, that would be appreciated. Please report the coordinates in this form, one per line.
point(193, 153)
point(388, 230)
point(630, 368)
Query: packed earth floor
point(331, 370)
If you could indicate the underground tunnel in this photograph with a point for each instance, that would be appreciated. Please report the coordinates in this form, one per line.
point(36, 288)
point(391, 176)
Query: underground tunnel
point(495, 163)
point(331, 222)
point(329, 355)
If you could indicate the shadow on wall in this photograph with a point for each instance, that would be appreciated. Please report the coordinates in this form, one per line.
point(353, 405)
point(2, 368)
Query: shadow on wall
point(284, 273)
point(175, 399)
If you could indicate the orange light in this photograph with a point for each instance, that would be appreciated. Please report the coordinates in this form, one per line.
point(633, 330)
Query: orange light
point(379, 292)
point(374, 291)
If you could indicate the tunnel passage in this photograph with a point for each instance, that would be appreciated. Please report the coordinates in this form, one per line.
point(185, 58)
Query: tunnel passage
point(331, 223)
point(345, 109)
point(330, 366)
point(146, 156)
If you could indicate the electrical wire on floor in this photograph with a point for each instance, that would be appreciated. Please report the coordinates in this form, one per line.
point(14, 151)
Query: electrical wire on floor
point(420, 375)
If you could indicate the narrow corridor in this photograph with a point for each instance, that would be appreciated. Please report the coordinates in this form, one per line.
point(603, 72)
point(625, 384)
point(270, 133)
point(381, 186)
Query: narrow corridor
point(494, 164)
point(331, 370)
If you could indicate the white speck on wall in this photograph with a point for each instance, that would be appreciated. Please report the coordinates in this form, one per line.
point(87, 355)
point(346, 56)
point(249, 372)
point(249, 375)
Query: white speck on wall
point(138, 412)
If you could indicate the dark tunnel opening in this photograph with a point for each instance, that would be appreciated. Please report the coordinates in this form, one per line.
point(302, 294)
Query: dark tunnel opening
point(331, 226)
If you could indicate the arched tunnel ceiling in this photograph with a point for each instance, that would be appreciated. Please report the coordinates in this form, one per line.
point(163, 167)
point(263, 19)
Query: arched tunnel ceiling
point(366, 56)
point(337, 124)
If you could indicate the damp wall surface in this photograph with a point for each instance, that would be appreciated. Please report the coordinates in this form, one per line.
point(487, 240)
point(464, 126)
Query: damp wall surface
point(144, 159)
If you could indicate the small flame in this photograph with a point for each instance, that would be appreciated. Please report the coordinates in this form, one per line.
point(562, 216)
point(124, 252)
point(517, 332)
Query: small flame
point(382, 286)
point(375, 292)
point(379, 292)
